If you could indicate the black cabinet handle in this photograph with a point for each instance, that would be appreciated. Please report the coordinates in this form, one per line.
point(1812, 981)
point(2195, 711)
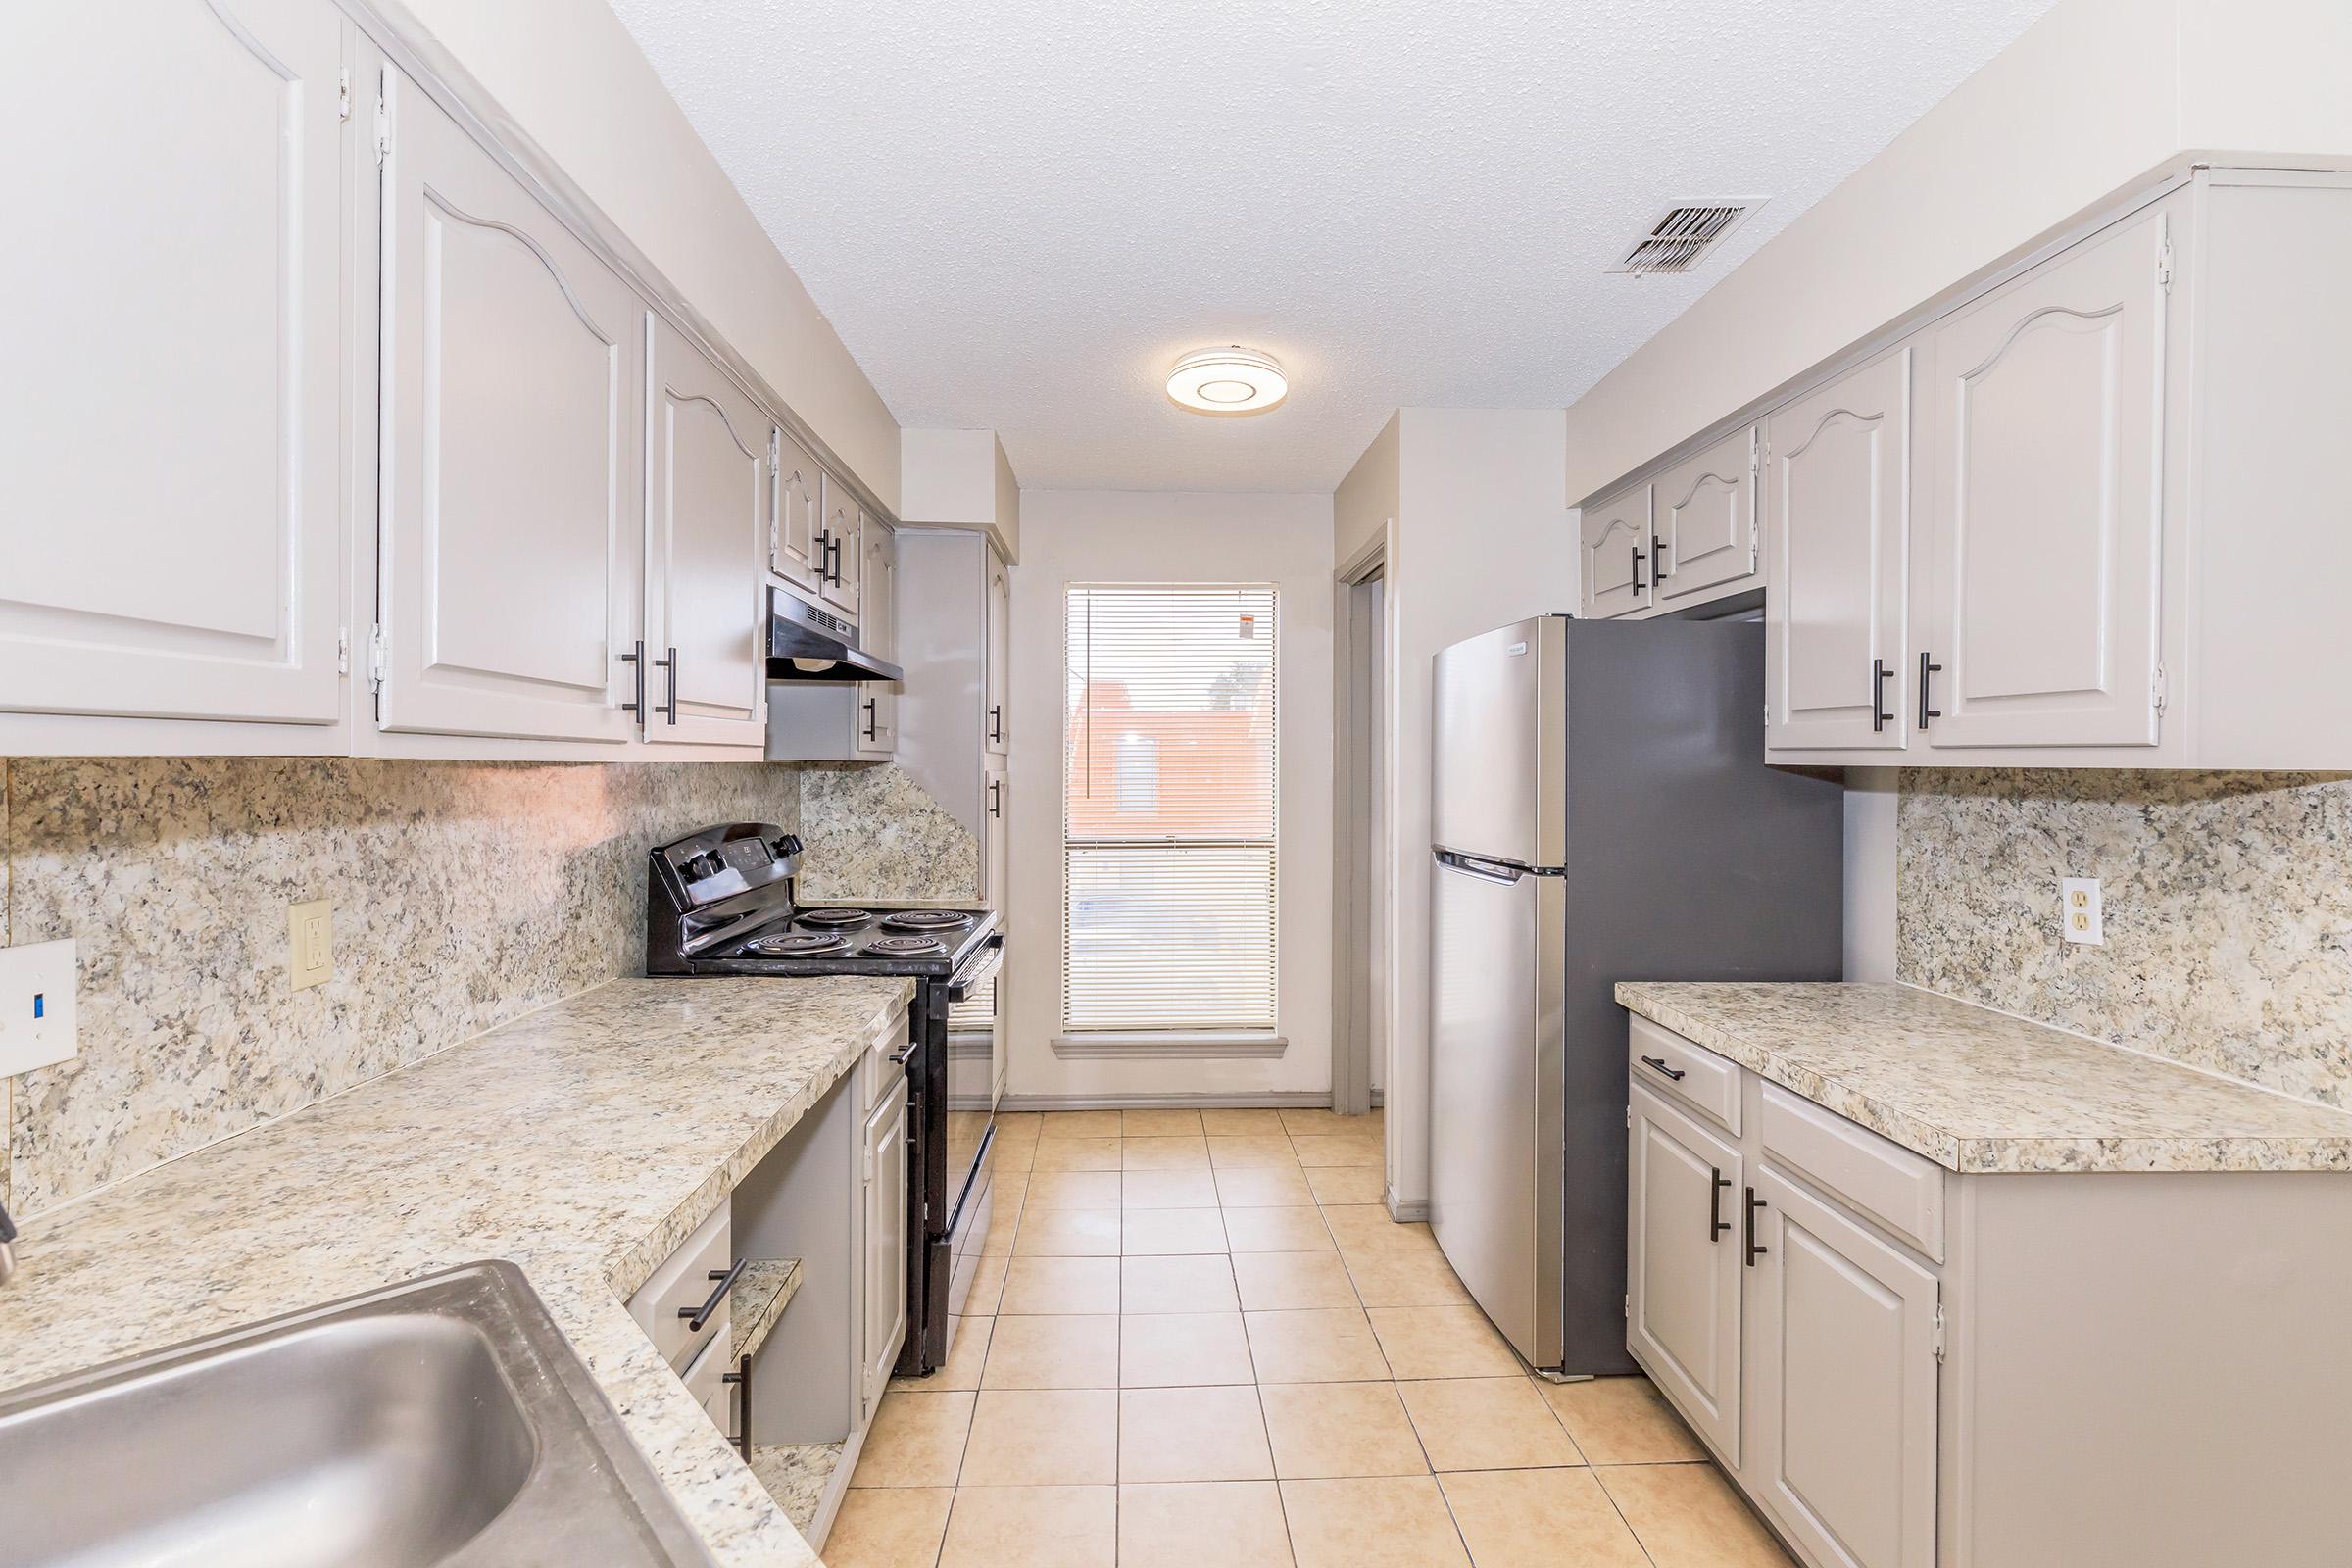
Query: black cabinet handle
point(871, 719)
point(996, 797)
point(1639, 584)
point(1658, 570)
point(1659, 1062)
point(1926, 671)
point(1879, 674)
point(996, 722)
point(636, 659)
point(741, 1378)
point(1754, 1251)
point(671, 665)
point(1716, 1223)
point(697, 1317)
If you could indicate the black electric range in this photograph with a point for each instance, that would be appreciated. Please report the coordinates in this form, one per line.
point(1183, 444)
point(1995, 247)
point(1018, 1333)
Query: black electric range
point(722, 901)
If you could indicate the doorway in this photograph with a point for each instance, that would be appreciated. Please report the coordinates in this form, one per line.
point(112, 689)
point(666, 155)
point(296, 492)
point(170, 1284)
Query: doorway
point(1360, 907)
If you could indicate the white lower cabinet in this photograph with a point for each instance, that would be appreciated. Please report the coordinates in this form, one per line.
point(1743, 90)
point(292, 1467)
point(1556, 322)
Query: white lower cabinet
point(1683, 1300)
point(1841, 1435)
point(884, 1325)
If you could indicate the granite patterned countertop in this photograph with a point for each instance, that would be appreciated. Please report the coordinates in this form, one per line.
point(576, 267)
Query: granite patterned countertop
point(1977, 1091)
point(583, 1143)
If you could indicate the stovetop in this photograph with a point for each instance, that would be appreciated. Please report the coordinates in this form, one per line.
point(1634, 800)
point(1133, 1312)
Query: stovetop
point(836, 939)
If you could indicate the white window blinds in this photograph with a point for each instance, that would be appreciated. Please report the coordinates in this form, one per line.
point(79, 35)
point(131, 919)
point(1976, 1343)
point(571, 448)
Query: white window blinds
point(1168, 818)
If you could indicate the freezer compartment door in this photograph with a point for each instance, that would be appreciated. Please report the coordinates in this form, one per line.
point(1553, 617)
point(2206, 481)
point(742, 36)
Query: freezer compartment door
point(1496, 1086)
point(1499, 743)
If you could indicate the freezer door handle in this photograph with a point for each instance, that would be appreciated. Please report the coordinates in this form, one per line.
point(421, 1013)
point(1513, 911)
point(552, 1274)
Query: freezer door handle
point(1505, 872)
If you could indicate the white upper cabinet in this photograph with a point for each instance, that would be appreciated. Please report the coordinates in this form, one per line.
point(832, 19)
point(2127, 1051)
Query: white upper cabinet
point(877, 730)
point(1615, 560)
point(511, 504)
point(172, 185)
point(799, 512)
point(2040, 557)
point(1703, 536)
point(1837, 489)
point(839, 540)
point(707, 495)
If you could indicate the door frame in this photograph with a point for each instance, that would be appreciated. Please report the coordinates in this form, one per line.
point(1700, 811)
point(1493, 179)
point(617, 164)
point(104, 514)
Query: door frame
point(1360, 693)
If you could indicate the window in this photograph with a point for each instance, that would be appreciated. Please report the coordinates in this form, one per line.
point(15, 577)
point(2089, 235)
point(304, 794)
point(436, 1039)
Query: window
point(1168, 819)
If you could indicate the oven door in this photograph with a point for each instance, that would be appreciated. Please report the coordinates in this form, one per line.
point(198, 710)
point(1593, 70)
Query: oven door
point(972, 1081)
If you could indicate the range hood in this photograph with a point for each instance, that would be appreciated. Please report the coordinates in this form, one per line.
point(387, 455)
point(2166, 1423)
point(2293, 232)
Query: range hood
point(807, 643)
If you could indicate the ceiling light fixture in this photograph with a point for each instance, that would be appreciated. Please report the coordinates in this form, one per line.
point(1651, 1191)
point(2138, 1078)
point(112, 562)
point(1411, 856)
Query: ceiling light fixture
point(1228, 381)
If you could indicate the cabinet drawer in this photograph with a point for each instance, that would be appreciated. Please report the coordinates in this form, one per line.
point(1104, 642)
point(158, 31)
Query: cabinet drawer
point(1891, 1186)
point(1664, 1061)
point(685, 1280)
point(877, 1073)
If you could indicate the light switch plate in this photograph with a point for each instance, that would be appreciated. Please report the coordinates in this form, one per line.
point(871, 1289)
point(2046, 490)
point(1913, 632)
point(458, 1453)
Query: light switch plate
point(2079, 910)
point(39, 1021)
point(311, 943)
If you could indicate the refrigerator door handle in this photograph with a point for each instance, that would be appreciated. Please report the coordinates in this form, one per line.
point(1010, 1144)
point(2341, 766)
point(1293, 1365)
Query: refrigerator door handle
point(1505, 872)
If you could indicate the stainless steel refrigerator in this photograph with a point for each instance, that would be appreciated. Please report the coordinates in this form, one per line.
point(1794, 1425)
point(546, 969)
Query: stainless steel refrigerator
point(1601, 812)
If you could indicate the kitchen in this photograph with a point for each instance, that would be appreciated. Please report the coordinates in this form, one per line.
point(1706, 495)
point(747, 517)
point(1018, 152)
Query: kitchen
point(732, 847)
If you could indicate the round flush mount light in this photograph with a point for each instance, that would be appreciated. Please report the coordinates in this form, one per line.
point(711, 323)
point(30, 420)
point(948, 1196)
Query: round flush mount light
point(1228, 380)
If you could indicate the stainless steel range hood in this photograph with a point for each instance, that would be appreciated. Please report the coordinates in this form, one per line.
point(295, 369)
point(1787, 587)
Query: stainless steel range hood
point(808, 644)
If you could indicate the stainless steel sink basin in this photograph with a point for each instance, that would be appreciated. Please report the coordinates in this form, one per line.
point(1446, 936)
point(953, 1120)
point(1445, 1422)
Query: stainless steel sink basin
point(441, 1422)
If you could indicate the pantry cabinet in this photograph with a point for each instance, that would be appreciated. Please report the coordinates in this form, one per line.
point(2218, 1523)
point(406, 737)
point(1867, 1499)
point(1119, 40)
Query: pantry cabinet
point(1704, 540)
point(1615, 557)
point(708, 499)
point(511, 438)
point(2037, 590)
point(1000, 654)
point(173, 187)
point(1838, 478)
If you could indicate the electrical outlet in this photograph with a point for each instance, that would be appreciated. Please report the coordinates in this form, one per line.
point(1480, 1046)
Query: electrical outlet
point(39, 1020)
point(311, 943)
point(2078, 911)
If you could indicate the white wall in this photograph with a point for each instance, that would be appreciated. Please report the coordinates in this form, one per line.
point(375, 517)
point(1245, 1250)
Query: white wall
point(1482, 538)
point(1074, 536)
point(1869, 874)
point(1365, 503)
point(570, 75)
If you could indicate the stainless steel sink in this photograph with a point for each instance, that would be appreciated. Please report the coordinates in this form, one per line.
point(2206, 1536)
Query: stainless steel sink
point(441, 1422)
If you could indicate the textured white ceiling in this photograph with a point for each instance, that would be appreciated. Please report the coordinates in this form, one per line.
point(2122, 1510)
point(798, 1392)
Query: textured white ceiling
point(1017, 213)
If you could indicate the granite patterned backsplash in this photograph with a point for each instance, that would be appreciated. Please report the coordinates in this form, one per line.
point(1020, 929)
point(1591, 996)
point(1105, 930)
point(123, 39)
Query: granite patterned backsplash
point(464, 894)
point(873, 834)
point(2228, 902)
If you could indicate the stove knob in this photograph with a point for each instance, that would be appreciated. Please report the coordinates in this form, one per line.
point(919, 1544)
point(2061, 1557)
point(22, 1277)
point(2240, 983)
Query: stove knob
point(703, 866)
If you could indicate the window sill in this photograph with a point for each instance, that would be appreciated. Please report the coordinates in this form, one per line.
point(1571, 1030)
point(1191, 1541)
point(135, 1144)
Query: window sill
point(1189, 1044)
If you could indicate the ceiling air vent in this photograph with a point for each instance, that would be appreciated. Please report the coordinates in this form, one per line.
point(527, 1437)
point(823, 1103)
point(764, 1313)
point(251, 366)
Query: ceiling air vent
point(1682, 233)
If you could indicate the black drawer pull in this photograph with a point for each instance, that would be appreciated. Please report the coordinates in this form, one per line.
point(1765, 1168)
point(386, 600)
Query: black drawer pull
point(741, 1378)
point(1926, 669)
point(1659, 1062)
point(1754, 1250)
point(1880, 676)
point(1716, 1223)
point(697, 1317)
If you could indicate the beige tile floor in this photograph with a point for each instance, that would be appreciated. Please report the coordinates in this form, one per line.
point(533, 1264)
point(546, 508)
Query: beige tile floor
point(1200, 1340)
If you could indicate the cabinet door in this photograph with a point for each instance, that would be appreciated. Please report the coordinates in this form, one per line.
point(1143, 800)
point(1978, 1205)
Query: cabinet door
point(996, 721)
point(706, 529)
point(798, 517)
point(1841, 1347)
point(838, 544)
point(878, 632)
point(1683, 1265)
point(884, 1318)
point(173, 188)
point(1837, 490)
point(512, 509)
point(1704, 537)
point(995, 844)
point(2040, 570)
point(1615, 563)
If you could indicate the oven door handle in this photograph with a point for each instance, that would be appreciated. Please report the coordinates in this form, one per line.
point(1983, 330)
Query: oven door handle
point(982, 965)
